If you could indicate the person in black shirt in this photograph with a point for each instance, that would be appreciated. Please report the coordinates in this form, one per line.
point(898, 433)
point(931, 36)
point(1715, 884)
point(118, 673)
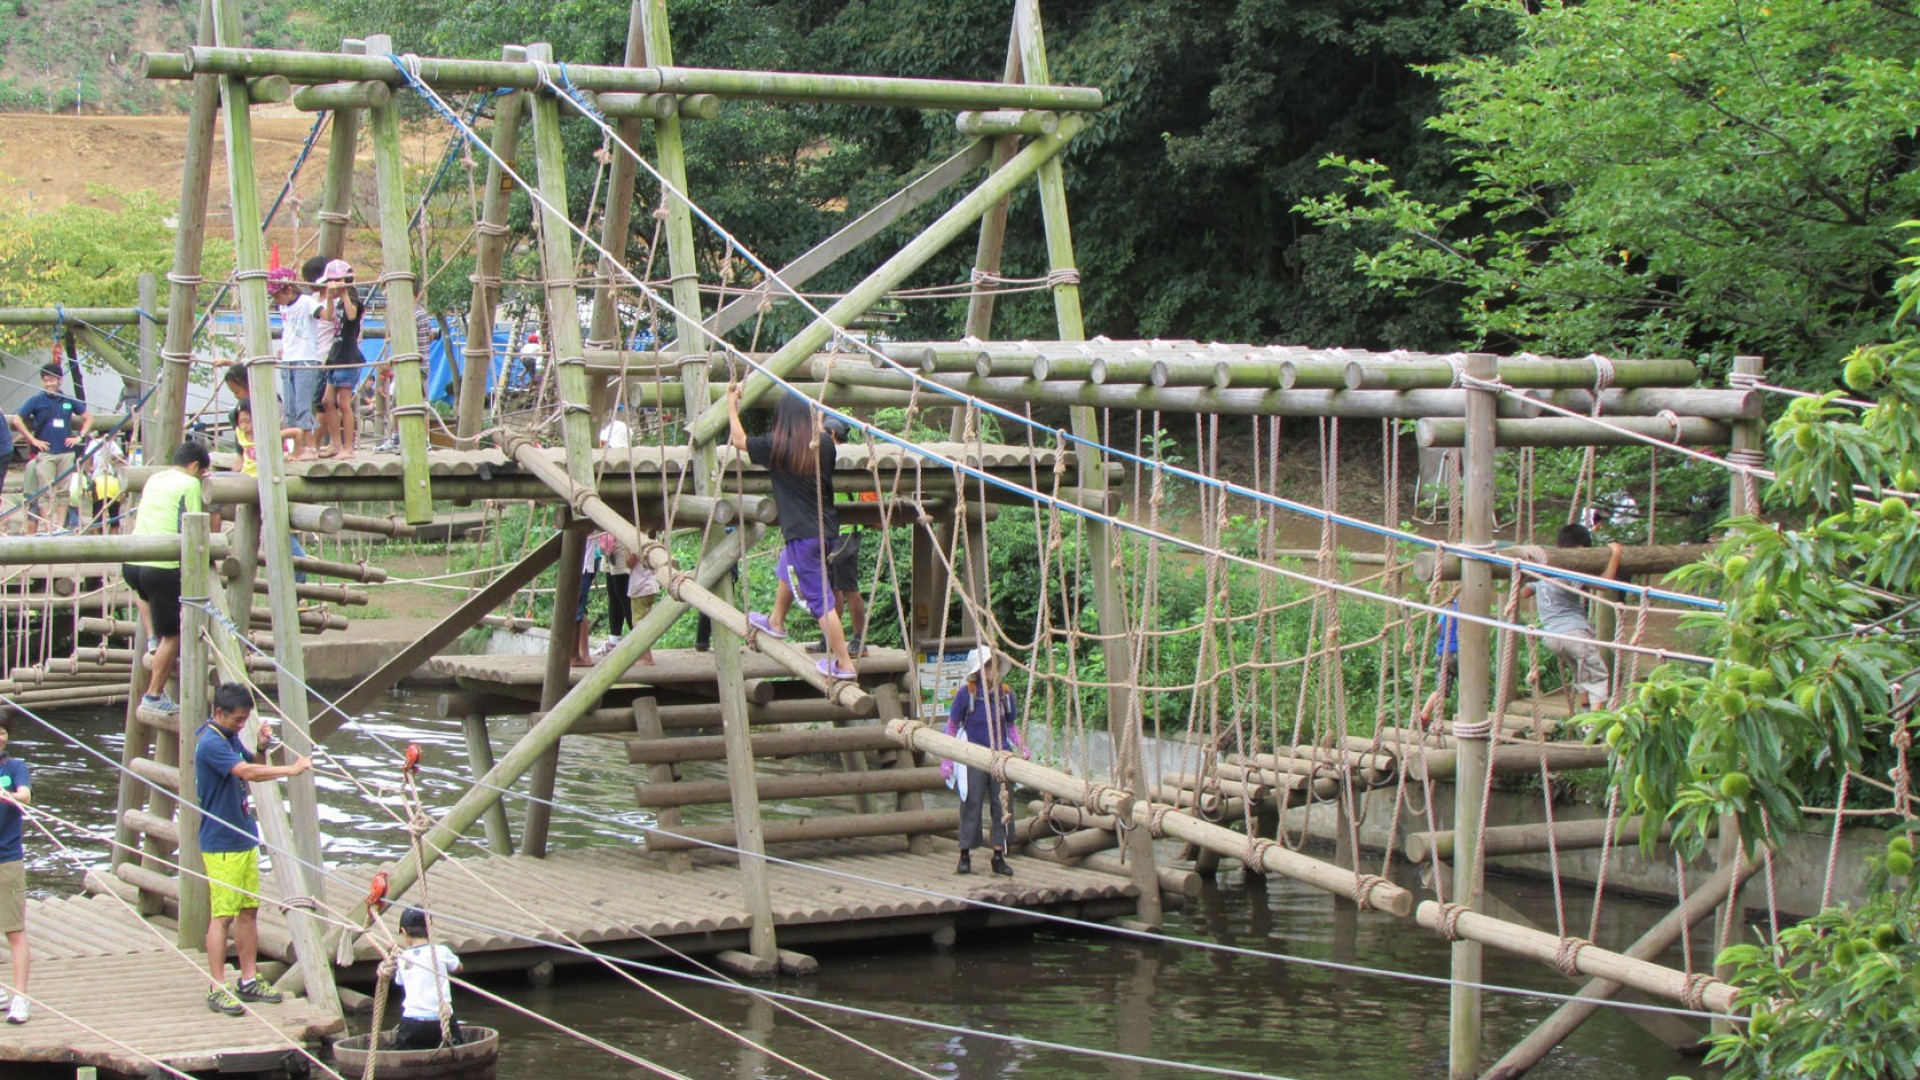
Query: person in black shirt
point(800, 457)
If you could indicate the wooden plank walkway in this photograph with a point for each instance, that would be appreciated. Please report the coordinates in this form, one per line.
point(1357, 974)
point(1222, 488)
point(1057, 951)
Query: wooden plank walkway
point(621, 901)
point(96, 962)
point(671, 667)
point(655, 460)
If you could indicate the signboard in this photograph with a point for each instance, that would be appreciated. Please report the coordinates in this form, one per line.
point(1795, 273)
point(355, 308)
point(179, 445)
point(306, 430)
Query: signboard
point(941, 675)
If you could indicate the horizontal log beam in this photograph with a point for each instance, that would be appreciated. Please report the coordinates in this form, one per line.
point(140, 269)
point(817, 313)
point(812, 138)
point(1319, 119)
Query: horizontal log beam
point(1533, 839)
point(807, 786)
point(780, 744)
point(707, 715)
point(1507, 760)
point(164, 776)
point(1638, 560)
point(987, 125)
point(448, 74)
point(331, 97)
point(98, 316)
point(1566, 431)
point(837, 827)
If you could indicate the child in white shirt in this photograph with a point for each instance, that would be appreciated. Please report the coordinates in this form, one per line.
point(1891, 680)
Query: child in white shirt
point(421, 972)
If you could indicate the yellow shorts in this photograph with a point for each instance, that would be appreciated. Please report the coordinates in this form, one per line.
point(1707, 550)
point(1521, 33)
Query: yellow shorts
point(235, 881)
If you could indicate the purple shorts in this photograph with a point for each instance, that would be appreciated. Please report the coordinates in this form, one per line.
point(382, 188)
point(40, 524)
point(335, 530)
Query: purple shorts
point(803, 566)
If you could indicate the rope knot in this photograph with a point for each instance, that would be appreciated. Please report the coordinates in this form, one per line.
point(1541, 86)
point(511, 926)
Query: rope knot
point(1090, 801)
point(419, 825)
point(1255, 857)
point(1449, 923)
point(1566, 956)
point(1157, 820)
point(998, 768)
point(1695, 993)
point(1363, 890)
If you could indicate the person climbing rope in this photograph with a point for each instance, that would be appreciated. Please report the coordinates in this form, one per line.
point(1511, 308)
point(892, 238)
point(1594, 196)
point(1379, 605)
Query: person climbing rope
point(985, 712)
point(1563, 612)
point(800, 457)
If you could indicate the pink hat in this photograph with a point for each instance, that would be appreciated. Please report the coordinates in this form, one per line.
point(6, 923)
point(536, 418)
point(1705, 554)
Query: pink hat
point(281, 275)
point(337, 270)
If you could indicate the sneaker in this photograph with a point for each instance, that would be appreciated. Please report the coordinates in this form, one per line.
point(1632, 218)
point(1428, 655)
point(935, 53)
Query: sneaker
point(966, 863)
point(605, 648)
point(19, 1012)
point(388, 445)
point(857, 647)
point(1000, 865)
point(255, 990)
point(831, 668)
point(158, 703)
point(765, 625)
point(153, 645)
point(221, 1000)
point(817, 646)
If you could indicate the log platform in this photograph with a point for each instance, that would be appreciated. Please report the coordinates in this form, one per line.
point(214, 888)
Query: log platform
point(620, 901)
point(95, 962)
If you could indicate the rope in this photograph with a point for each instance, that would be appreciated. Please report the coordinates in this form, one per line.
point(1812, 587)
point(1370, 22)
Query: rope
point(1448, 925)
point(1566, 956)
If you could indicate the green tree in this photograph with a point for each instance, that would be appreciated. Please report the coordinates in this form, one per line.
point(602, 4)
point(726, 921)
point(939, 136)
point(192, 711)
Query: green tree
point(1701, 177)
point(1818, 649)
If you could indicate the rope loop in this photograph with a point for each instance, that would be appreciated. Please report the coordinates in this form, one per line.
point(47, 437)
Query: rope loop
point(678, 578)
point(1065, 275)
point(998, 767)
point(1449, 923)
point(1090, 802)
point(419, 825)
point(1603, 375)
point(1255, 857)
point(1743, 380)
point(1479, 729)
point(176, 357)
point(391, 276)
point(489, 228)
point(1363, 885)
point(189, 280)
point(1673, 422)
point(249, 275)
point(1695, 994)
point(1566, 956)
point(334, 217)
point(299, 903)
point(1747, 458)
point(406, 358)
point(1157, 820)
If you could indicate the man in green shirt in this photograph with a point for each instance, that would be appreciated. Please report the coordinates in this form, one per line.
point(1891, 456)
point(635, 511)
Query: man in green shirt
point(165, 502)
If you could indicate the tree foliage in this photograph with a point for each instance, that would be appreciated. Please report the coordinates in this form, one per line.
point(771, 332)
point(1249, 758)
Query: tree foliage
point(1818, 650)
point(1701, 177)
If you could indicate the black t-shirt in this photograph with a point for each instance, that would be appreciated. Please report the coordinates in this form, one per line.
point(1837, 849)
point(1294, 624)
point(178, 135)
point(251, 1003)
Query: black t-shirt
point(805, 503)
point(346, 343)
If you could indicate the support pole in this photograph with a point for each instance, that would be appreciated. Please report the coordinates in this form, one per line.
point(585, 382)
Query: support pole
point(561, 633)
point(558, 266)
point(479, 763)
point(489, 252)
point(1124, 718)
point(1472, 726)
point(656, 47)
point(605, 331)
point(168, 407)
point(149, 361)
point(336, 194)
point(249, 263)
point(410, 407)
point(196, 582)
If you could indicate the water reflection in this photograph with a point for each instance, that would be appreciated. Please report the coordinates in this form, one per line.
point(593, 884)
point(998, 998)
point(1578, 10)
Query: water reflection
point(1164, 1001)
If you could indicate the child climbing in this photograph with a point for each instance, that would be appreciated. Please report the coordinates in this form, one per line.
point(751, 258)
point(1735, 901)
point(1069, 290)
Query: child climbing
point(984, 713)
point(800, 456)
point(1563, 612)
point(421, 971)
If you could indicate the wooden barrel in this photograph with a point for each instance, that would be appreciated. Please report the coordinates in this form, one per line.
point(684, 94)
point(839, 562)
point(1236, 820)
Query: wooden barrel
point(473, 1059)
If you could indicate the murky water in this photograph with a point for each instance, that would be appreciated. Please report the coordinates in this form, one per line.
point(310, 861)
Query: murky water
point(1167, 1001)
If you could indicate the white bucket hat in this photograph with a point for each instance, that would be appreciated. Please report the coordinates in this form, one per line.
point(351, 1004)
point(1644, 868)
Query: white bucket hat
point(979, 658)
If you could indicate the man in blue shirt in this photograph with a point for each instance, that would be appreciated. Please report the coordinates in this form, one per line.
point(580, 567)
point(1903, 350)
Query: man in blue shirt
point(16, 793)
point(55, 425)
point(230, 842)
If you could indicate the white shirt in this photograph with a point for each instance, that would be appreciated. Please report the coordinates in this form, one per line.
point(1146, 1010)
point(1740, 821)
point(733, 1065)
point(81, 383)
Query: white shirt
point(300, 331)
point(422, 972)
point(616, 435)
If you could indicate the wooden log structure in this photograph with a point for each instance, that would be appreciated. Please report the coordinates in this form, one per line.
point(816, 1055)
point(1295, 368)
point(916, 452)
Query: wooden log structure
point(1509, 759)
point(1533, 839)
point(778, 744)
point(990, 124)
point(450, 74)
point(1181, 826)
point(807, 786)
point(1637, 560)
point(706, 714)
point(1565, 431)
point(835, 827)
point(360, 572)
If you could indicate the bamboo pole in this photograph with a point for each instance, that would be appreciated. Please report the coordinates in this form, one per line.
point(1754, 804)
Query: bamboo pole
point(836, 827)
point(562, 633)
point(776, 86)
point(1124, 716)
point(342, 96)
point(168, 406)
point(97, 343)
point(1532, 839)
point(249, 261)
point(1504, 760)
point(1635, 560)
point(195, 705)
point(59, 316)
point(810, 786)
point(943, 231)
point(1101, 799)
point(149, 359)
point(410, 409)
point(644, 719)
point(687, 748)
point(993, 225)
point(336, 193)
point(617, 218)
point(1001, 122)
point(1471, 726)
point(489, 252)
point(1568, 431)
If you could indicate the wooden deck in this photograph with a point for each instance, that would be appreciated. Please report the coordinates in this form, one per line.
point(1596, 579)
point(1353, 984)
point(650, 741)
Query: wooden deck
point(676, 668)
point(623, 902)
point(100, 966)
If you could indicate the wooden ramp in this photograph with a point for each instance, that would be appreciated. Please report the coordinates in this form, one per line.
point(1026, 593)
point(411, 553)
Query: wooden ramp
point(620, 901)
point(97, 963)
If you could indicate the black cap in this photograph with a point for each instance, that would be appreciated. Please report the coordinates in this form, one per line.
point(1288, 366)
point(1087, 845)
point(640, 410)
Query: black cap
point(838, 428)
point(413, 921)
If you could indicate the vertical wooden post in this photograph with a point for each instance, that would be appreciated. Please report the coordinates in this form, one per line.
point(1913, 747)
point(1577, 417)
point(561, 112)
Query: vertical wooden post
point(302, 838)
point(561, 632)
point(336, 193)
point(646, 724)
point(683, 265)
point(489, 252)
point(1124, 719)
point(410, 407)
point(557, 265)
point(605, 332)
point(196, 584)
point(244, 547)
point(480, 763)
point(887, 698)
point(1472, 726)
point(149, 361)
point(168, 407)
point(1749, 441)
point(993, 232)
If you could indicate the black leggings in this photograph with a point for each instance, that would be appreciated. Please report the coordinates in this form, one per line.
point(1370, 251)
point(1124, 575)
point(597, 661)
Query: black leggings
point(423, 1034)
point(619, 605)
